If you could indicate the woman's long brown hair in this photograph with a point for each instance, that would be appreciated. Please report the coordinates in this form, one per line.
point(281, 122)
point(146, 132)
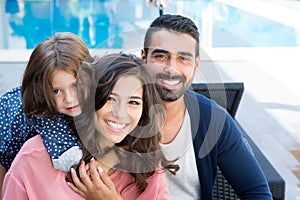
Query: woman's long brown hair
point(139, 153)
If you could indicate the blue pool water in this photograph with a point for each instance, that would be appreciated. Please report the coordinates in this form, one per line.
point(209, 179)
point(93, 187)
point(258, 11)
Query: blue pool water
point(118, 23)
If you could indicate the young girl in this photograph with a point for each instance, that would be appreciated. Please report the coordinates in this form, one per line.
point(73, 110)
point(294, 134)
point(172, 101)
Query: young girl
point(119, 126)
point(57, 56)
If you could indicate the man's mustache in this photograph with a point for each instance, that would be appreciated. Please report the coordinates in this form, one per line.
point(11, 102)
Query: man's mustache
point(168, 77)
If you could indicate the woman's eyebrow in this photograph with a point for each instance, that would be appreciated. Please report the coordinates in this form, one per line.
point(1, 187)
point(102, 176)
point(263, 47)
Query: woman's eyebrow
point(136, 97)
point(131, 97)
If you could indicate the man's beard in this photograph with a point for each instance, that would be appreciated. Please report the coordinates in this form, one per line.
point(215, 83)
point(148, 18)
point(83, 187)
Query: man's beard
point(171, 95)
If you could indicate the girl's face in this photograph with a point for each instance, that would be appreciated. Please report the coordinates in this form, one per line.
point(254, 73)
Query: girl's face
point(64, 91)
point(123, 110)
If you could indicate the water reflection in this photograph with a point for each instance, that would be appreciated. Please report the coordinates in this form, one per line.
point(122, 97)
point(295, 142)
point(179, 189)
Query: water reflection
point(20, 20)
point(93, 20)
point(109, 23)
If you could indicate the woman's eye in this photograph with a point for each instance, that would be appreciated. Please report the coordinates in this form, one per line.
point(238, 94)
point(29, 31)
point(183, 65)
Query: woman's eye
point(134, 103)
point(111, 99)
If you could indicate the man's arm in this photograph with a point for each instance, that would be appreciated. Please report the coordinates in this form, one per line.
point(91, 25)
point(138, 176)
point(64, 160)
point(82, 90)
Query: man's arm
point(10, 108)
point(239, 165)
point(2, 174)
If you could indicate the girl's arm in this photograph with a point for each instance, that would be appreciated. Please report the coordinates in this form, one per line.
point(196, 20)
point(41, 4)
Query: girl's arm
point(93, 186)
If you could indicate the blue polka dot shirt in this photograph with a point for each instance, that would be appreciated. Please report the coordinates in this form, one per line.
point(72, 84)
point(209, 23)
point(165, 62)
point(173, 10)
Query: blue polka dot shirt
point(15, 129)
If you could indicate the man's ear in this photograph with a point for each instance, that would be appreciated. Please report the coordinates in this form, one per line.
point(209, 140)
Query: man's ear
point(143, 55)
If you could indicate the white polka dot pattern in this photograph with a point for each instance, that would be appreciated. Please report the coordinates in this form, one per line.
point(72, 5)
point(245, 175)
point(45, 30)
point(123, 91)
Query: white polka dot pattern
point(57, 136)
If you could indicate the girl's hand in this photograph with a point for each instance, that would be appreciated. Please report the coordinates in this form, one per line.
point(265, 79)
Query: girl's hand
point(95, 184)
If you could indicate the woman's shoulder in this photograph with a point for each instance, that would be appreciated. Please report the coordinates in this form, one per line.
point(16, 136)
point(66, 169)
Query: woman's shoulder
point(32, 154)
point(34, 144)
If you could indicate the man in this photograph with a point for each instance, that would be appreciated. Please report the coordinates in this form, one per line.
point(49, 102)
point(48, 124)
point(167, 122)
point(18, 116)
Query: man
point(202, 132)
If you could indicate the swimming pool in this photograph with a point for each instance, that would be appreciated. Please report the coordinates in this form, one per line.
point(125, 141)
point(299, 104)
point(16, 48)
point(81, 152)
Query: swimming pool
point(121, 23)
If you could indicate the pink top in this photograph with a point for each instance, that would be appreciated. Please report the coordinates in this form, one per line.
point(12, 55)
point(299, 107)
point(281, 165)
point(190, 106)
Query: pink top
point(33, 177)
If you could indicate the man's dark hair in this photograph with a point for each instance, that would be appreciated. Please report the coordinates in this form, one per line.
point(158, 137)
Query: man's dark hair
point(172, 23)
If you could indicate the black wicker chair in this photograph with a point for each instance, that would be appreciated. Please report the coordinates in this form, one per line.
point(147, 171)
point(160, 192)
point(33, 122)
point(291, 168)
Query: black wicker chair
point(229, 95)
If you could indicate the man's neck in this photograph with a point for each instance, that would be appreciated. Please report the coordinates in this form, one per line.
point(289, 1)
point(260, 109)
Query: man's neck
point(175, 112)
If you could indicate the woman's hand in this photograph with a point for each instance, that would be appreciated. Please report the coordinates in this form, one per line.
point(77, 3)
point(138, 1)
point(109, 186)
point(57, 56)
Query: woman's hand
point(95, 184)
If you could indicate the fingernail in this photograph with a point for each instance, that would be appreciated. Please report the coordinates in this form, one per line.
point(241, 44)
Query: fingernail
point(100, 170)
point(72, 170)
point(68, 183)
point(92, 159)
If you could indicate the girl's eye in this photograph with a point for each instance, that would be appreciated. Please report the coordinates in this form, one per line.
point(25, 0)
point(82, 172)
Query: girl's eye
point(56, 91)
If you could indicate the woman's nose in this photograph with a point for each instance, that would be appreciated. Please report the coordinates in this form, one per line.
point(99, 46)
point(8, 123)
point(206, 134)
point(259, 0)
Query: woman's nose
point(119, 110)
